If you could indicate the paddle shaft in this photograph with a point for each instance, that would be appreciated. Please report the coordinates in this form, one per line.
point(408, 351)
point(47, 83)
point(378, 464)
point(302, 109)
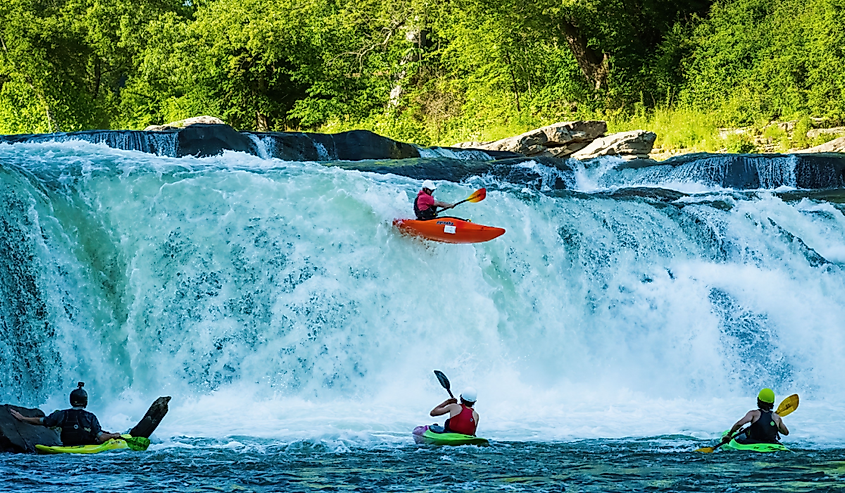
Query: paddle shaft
point(477, 196)
point(741, 431)
point(455, 205)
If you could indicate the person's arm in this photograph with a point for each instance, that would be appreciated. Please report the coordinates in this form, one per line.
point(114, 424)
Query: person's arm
point(102, 436)
point(781, 426)
point(20, 417)
point(739, 424)
point(477, 418)
point(105, 436)
point(443, 407)
point(443, 205)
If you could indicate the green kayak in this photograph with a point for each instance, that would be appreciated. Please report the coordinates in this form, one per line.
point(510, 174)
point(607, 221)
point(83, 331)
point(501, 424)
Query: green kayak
point(134, 443)
point(754, 447)
point(424, 435)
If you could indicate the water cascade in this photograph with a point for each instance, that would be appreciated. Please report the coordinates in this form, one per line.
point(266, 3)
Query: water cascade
point(622, 301)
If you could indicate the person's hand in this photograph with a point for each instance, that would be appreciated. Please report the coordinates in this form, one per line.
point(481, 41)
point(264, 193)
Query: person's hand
point(726, 438)
point(18, 416)
point(451, 401)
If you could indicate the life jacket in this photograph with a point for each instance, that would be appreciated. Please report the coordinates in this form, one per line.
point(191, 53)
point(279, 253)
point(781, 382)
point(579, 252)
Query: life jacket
point(78, 427)
point(764, 430)
point(430, 213)
point(462, 423)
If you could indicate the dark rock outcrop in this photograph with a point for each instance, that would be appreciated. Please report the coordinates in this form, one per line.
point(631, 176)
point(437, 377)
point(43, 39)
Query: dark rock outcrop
point(19, 437)
point(354, 145)
point(210, 140)
point(151, 420)
point(201, 139)
point(752, 171)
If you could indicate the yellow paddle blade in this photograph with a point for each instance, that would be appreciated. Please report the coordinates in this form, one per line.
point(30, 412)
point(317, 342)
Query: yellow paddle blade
point(788, 405)
point(705, 450)
point(478, 195)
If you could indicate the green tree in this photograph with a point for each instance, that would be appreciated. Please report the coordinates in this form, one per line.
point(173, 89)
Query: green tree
point(758, 60)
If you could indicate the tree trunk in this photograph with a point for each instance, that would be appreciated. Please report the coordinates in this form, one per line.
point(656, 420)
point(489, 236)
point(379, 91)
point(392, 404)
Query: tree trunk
point(593, 65)
point(262, 122)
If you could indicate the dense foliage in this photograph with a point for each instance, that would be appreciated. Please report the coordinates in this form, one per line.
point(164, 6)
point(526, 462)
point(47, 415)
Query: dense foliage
point(419, 70)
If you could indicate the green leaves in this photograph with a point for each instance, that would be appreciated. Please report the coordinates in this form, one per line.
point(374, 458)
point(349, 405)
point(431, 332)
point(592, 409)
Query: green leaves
point(431, 72)
point(758, 60)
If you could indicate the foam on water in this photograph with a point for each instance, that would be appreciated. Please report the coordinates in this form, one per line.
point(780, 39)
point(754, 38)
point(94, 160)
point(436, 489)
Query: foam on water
point(275, 299)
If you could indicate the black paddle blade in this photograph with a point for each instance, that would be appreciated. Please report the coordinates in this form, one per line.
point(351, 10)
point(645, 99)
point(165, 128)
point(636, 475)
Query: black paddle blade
point(443, 381)
point(442, 378)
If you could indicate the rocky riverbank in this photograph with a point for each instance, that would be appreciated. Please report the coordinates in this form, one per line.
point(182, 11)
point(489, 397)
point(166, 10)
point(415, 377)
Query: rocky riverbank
point(582, 140)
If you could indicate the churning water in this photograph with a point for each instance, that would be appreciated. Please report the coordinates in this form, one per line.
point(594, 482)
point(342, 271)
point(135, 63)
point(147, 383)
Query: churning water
point(626, 318)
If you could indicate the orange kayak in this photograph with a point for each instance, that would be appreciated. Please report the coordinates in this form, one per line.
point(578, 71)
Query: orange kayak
point(448, 230)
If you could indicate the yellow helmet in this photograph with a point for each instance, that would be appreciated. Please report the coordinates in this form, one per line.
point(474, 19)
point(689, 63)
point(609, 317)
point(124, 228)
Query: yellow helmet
point(767, 395)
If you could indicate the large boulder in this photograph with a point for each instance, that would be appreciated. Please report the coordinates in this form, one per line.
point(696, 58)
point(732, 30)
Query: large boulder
point(208, 120)
point(557, 140)
point(17, 436)
point(203, 139)
point(354, 145)
point(836, 145)
point(636, 144)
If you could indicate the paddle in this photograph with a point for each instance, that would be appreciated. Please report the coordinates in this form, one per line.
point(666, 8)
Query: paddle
point(476, 196)
point(786, 407)
point(441, 377)
point(136, 443)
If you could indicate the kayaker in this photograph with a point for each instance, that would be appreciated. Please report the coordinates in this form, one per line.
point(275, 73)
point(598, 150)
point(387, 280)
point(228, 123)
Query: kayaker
point(79, 427)
point(462, 417)
point(425, 207)
point(765, 423)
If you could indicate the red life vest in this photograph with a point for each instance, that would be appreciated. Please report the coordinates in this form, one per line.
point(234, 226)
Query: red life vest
point(462, 423)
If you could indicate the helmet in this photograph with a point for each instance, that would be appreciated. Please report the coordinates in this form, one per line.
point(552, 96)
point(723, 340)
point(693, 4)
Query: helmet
point(79, 398)
point(429, 185)
point(469, 394)
point(767, 395)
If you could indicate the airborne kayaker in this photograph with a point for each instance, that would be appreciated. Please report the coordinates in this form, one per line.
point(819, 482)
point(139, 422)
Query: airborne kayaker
point(79, 427)
point(765, 423)
point(462, 417)
point(425, 207)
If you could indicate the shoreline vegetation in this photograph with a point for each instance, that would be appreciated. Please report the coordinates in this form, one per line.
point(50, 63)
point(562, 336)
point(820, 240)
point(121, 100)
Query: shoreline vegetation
point(739, 76)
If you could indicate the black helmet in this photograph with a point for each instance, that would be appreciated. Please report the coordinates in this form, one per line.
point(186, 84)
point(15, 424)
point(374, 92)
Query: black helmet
point(79, 398)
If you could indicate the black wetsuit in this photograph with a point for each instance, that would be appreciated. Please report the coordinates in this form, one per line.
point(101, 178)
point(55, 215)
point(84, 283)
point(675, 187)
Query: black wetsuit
point(764, 430)
point(79, 427)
